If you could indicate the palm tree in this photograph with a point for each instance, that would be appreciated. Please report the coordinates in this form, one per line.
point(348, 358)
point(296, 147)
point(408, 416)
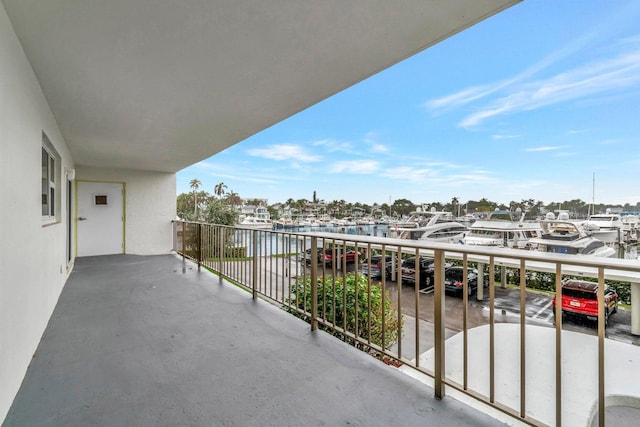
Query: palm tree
point(219, 189)
point(195, 184)
point(233, 199)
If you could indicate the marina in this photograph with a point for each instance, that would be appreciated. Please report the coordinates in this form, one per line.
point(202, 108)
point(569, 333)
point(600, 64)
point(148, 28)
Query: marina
point(623, 250)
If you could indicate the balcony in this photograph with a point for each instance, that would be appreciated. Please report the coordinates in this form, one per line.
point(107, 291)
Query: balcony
point(164, 341)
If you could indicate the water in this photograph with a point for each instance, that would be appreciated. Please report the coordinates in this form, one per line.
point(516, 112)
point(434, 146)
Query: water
point(278, 243)
point(378, 230)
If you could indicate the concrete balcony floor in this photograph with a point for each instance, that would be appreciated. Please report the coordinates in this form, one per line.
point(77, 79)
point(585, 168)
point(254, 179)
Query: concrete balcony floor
point(135, 342)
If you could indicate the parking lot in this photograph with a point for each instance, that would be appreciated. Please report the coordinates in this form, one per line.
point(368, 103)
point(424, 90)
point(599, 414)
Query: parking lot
point(538, 311)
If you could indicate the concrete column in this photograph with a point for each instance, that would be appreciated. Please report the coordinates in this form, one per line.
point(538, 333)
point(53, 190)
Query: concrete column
point(480, 292)
point(635, 308)
point(503, 277)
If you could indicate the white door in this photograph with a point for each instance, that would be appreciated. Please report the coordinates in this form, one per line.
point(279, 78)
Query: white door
point(100, 218)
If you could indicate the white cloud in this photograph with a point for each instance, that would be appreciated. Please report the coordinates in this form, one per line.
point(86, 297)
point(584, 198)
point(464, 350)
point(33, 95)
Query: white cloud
point(231, 173)
point(371, 140)
point(332, 145)
point(407, 173)
point(500, 136)
point(602, 77)
point(284, 152)
point(444, 165)
point(461, 98)
point(599, 77)
point(537, 149)
point(475, 93)
point(608, 142)
point(355, 166)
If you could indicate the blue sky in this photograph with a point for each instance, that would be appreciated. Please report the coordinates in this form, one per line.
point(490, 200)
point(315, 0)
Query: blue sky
point(530, 103)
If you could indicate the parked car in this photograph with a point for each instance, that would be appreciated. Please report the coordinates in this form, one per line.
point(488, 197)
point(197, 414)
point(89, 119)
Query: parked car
point(426, 271)
point(580, 298)
point(377, 266)
point(453, 277)
point(306, 256)
point(350, 255)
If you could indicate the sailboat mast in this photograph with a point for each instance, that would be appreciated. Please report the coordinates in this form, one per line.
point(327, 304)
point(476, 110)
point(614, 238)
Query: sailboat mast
point(593, 196)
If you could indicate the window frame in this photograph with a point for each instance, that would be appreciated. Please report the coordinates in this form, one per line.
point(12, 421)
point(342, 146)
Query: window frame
point(50, 182)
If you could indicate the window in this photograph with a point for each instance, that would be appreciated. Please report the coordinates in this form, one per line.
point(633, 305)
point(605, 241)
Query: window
point(50, 166)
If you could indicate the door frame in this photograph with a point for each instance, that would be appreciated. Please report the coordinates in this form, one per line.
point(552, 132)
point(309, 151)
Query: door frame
point(124, 210)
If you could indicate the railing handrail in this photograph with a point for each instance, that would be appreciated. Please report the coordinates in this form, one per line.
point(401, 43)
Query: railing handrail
point(262, 273)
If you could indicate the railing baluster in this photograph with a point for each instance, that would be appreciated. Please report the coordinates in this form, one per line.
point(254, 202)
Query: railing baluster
point(384, 300)
point(184, 231)
point(558, 345)
point(465, 310)
point(492, 299)
point(602, 312)
point(314, 284)
point(258, 269)
point(255, 265)
point(220, 254)
point(523, 341)
point(399, 261)
point(438, 323)
point(416, 307)
point(199, 245)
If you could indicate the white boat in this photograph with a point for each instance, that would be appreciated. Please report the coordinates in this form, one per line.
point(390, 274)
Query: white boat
point(284, 222)
point(568, 237)
point(433, 225)
point(325, 220)
point(503, 229)
point(415, 218)
point(630, 228)
point(367, 220)
point(345, 222)
point(607, 227)
point(466, 220)
point(261, 219)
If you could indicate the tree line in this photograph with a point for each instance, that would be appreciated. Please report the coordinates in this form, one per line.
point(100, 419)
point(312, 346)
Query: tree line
point(221, 207)
point(216, 208)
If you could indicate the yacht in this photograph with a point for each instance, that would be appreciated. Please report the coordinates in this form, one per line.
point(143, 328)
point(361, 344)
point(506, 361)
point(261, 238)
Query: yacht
point(433, 225)
point(503, 229)
point(563, 236)
point(607, 227)
point(415, 218)
point(284, 222)
point(261, 219)
point(630, 228)
point(325, 220)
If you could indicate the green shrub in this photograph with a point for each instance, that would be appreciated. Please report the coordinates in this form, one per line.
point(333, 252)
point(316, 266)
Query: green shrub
point(623, 289)
point(547, 282)
point(332, 308)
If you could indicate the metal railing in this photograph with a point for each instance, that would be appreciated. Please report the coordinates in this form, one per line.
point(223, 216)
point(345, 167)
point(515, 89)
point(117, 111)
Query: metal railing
point(490, 352)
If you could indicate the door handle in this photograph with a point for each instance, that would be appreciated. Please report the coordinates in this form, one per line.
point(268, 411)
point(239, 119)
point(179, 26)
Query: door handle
point(80, 218)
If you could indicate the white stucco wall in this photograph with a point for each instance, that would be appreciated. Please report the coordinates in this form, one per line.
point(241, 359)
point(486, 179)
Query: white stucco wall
point(33, 265)
point(33, 253)
point(150, 205)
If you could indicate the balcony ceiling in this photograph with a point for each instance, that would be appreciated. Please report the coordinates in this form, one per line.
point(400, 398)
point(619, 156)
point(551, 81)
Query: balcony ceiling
point(160, 85)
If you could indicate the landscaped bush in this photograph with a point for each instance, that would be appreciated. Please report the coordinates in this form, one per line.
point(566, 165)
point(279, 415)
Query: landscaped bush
point(623, 289)
point(547, 282)
point(334, 309)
